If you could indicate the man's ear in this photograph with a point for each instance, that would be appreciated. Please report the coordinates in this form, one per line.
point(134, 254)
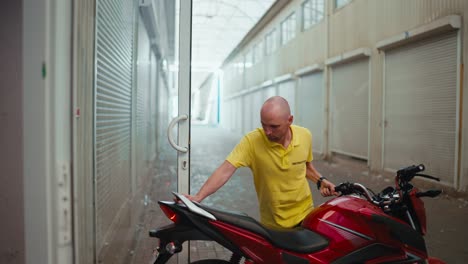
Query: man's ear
point(291, 119)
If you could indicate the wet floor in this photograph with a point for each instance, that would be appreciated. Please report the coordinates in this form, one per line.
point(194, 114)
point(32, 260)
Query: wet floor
point(447, 214)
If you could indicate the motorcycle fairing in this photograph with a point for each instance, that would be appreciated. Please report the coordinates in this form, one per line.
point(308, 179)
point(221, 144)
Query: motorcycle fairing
point(293, 259)
point(377, 253)
point(401, 232)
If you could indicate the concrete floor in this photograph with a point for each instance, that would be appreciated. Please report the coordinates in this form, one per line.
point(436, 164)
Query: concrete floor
point(446, 214)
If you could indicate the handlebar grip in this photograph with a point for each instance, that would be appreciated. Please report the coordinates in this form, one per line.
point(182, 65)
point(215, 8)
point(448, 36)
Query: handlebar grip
point(409, 172)
point(344, 188)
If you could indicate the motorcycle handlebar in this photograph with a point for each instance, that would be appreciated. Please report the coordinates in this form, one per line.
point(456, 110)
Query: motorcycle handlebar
point(404, 176)
point(347, 188)
point(408, 173)
point(344, 188)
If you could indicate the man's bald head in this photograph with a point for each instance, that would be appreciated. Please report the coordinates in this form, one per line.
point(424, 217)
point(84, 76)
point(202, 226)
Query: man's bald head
point(276, 105)
point(276, 119)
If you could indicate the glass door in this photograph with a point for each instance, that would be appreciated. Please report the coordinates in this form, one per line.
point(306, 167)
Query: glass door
point(182, 119)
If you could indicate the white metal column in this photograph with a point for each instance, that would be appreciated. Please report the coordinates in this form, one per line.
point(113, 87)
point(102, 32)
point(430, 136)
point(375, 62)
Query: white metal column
point(185, 45)
point(46, 75)
point(183, 158)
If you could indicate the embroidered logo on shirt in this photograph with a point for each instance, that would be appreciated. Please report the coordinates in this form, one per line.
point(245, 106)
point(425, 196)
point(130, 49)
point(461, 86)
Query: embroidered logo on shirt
point(299, 162)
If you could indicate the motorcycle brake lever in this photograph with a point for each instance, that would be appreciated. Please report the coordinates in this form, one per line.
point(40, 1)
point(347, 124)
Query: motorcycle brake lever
point(428, 176)
point(430, 193)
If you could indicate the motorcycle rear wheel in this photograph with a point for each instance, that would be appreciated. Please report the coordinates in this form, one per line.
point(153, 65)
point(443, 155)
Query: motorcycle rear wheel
point(211, 261)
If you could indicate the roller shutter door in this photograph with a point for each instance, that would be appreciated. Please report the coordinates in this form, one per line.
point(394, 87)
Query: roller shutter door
point(143, 142)
point(113, 111)
point(238, 115)
point(310, 107)
point(227, 114)
point(286, 89)
point(421, 106)
point(349, 106)
point(268, 92)
point(246, 113)
point(256, 107)
point(230, 114)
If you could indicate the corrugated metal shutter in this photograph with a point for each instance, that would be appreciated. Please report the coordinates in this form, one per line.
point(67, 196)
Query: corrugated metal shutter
point(153, 108)
point(142, 106)
point(227, 119)
point(349, 106)
point(310, 107)
point(113, 111)
point(238, 115)
point(269, 91)
point(246, 113)
point(286, 89)
point(421, 106)
point(257, 103)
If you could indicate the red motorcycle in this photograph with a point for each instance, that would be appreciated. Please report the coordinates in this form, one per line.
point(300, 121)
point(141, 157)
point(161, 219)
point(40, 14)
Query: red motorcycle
point(359, 226)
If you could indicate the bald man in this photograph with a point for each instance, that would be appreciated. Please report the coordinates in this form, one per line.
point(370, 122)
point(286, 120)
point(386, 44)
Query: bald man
point(279, 155)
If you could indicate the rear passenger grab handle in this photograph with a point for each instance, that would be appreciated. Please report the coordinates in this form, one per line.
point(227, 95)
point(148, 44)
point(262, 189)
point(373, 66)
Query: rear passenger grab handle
point(192, 207)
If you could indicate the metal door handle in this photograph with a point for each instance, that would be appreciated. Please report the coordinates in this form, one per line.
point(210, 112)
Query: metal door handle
point(169, 135)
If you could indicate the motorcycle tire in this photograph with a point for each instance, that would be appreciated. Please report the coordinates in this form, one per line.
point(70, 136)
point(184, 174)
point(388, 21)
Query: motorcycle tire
point(211, 261)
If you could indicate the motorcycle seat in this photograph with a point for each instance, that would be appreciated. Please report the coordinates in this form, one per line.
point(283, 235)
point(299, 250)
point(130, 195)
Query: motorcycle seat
point(297, 239)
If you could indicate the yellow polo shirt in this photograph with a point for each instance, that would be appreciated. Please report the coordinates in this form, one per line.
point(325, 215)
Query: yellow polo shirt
point(279, 175)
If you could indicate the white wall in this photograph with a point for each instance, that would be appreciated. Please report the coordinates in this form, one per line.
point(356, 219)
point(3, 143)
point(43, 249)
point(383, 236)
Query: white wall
point(11, 135)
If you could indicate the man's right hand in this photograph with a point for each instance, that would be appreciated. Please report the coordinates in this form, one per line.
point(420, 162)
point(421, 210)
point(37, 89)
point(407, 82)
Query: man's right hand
point(193, 198)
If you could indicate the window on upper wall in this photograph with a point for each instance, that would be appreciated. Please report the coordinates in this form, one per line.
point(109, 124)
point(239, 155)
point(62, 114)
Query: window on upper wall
point(340, 3)
point(288, 28)
point(270, 42)
point(312, 12)
point(258, 52)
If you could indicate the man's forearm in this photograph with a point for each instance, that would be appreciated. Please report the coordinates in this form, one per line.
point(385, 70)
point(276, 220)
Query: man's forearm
point(311, 173)
point(326, 187)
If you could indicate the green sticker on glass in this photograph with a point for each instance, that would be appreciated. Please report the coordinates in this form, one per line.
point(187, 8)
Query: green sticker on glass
point(44, 70)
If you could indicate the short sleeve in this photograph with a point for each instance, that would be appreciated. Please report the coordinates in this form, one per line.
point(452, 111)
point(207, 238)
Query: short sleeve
point(310, 156)
point(241, 155)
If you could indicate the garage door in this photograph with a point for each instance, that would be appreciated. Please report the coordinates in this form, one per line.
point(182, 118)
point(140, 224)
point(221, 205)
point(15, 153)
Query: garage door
point(113, 111)
point(421, 106)
point(257, 102)
point(247, 114)
point(286, 89)
point(310, 107)
point(349, 104)
point(268, 92)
